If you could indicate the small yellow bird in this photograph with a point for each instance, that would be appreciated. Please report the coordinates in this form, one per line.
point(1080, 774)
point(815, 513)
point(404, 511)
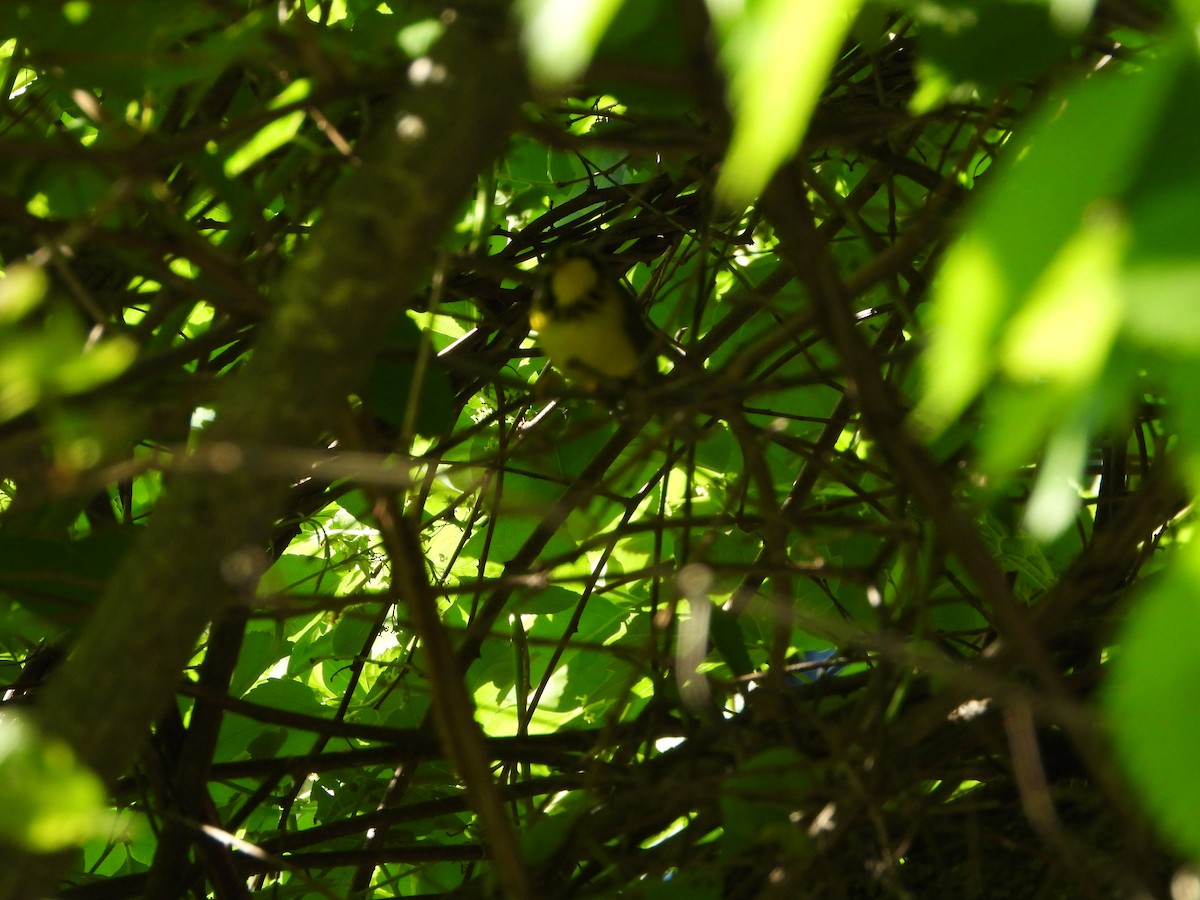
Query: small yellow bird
point(589, 325)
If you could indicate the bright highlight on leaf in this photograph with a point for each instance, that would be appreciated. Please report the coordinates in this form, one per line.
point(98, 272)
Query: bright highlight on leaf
point(1027, 250)
point(1055, 498)
point(275, 134)
point(77, 11)
point(958, 360)
point(1030, 303)
point(1053, 343)
point(51, 357)
point(777, 55)
point(21, 289)
point(1065, 328)
point(50, 800)
point(560, 36)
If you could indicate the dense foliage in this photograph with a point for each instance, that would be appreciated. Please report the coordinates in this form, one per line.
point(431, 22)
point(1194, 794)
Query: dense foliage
point(316, 581)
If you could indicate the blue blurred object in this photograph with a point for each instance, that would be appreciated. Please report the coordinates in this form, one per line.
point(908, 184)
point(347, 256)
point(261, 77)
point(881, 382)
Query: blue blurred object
point(808, 676)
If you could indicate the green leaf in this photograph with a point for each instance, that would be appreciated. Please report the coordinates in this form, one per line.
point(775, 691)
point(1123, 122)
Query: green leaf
point(21, 290)
point(1007, 289)
point(50, 799)
point(777, 55)
point(1055, 498)
point(1042, 310)
point(560, 36)
point(115, 47)
point(1031, 307)
point(1151, 701)
point(293, 573)
point(1161, 280)
point(60, 579)
point(730, 642)
point(759, 798)
point(53, 358)
point(550, 831)
point(260, 651)
point(275, 134)
point(547, 601)
point(976, 42)
point(1064, 328)
point(389, 388)
point(286, 694)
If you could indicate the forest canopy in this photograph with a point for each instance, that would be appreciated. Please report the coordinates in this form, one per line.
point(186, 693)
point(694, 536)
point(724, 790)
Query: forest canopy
point(322, 574)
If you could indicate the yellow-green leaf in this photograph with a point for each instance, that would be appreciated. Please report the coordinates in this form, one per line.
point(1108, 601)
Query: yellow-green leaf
point(777, 55)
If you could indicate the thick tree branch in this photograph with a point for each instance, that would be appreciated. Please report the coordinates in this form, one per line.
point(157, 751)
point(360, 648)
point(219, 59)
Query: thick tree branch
point(204, 546)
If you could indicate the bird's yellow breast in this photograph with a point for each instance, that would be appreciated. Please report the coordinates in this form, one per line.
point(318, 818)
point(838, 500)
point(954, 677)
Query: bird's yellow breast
point(589, 346)
point(588, 325)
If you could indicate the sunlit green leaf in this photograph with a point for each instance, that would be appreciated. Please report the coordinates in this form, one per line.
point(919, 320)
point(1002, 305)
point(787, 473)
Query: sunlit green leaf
point(1065, 327)
point(777, 55)
point(561, 35)
point(50, 799)
point(275, 134)
point(1056, 493)
point(1035, 236)
point(21, 289)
